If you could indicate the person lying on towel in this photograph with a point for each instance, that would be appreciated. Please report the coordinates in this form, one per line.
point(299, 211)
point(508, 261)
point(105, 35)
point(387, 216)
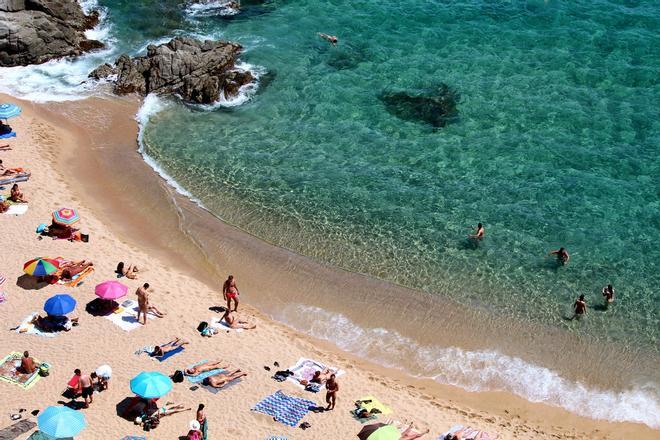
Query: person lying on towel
point(207, 366)
point(222, 379)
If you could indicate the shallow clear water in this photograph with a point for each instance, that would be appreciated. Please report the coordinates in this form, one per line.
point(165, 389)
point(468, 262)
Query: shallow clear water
point(556, 144)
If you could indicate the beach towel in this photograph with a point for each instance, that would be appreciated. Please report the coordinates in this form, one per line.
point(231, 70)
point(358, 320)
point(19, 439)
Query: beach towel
point(374, 404)
point(31, 329)
point(14, 178)
point(467, 433)
point(8, 135)
point(126, 316)
point(285, 409)
point(305, 369)
point(17, 209)
point(3, 297)
point(9, 374)
point(276, 437)
point(16, 430)
point(169, 354)
point(200, 378)
point(214, 390)
point(38, 435)
point(133, 437)
point(77, 279)
point(220, 324)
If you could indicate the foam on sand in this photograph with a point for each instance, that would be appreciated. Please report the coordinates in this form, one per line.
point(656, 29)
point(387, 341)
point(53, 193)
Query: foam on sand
point(485, 370)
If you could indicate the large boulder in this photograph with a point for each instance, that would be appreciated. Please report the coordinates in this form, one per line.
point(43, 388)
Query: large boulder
point(36, 31)
point(198, 71)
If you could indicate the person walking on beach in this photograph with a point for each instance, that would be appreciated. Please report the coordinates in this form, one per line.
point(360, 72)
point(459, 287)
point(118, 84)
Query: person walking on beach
point(479, 233)
point(562, 256)
point(203, 422)
point(229, 292)
point(332, 388)
point(329, 38)
point(580, 307)
point(86, 385)
point(608, 295)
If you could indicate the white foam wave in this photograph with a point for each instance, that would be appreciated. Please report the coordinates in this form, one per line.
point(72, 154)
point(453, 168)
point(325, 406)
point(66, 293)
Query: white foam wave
point(63, 79)
point(478, 370)
point(210, 8)
point(245, 92)
point(151, 106)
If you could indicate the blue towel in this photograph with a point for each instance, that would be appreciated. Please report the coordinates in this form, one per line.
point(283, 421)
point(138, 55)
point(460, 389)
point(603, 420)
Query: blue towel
point(199, 378)
point(11, 134)
point(285, 409)
point(169, 354)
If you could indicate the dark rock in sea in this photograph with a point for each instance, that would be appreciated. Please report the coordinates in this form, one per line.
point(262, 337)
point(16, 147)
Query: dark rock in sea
point(198, 71)
point(36, 31)
point(437, 107)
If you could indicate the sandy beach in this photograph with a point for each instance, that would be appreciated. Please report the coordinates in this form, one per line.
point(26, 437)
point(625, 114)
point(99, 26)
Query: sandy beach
point(83, 155)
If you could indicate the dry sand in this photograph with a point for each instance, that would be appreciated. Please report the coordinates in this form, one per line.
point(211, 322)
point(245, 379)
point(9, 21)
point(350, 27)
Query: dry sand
point(51, 147)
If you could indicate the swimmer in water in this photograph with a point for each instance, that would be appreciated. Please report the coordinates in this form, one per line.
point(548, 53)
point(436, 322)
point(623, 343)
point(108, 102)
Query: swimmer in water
point(580, 307)
point(562, 256)
point(478, 233)
point(330, 38)
point(608, 295)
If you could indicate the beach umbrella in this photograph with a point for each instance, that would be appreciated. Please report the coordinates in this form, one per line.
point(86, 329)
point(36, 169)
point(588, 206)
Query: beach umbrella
point(60, 305)
point(151, 385)
point(61, 421)
point(40, 267)
point(110, 290)
point(9, 110)
point(379, 431)
point(104, 371)
point(66, 216)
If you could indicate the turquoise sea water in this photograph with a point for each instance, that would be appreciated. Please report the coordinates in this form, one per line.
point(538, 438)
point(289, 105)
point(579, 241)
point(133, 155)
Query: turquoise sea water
point(556, 143)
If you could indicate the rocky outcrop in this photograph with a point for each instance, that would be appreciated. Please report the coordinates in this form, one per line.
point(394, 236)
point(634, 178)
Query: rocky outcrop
point(437, 107)
point(198, 71)
point(35, 31)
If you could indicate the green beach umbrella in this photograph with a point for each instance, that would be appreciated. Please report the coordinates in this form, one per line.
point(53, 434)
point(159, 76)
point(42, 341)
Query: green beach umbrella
point(379, 431)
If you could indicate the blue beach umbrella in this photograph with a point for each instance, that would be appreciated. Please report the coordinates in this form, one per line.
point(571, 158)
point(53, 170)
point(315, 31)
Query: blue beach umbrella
point(9, 111)
point(60, 305)
point(60, 421)
point(151, 384)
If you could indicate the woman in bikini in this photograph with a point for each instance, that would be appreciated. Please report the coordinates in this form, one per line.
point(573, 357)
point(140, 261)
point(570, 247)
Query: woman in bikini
point(207, 366)
point(222, 379)
point(161, 350)
point(129, 272)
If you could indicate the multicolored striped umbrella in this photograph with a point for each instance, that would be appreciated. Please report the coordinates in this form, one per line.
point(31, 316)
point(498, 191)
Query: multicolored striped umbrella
point(61, 421)
point(9, 110)
point(66, 216)
point(110, 290)
point(40, 267)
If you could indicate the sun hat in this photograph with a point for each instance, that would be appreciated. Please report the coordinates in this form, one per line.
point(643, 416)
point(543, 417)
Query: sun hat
point(194, 425)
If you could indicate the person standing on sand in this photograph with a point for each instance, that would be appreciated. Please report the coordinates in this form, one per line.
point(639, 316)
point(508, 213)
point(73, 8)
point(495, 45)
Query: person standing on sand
point(562, 256)
point(608, 295)
point(580, 307)
point(203, 422)
point(87, 386)
point(143, 304)
point(229, 292)
point(479, 232)
point(332, 388)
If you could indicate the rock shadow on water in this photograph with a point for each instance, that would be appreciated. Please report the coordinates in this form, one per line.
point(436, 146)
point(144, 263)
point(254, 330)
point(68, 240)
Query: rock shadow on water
point(437, 106)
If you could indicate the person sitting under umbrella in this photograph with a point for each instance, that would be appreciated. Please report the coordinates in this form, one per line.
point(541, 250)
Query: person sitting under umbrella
point(70, 269)
point(52, 324)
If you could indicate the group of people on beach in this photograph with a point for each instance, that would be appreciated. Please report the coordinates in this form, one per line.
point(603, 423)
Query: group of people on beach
point(563, 257)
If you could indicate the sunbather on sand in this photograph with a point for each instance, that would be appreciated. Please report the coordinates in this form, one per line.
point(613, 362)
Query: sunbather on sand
point(16, 195)
point(409, 433)
point(160, 350)
point(221, 379)
point(207, 366)
point(53, 323)
point(12, 171)
point(468, 432)
point(321, 376)
point(70, 269)
point(234, 320)
point(170, 408)
point(28, 365)
point(129, 271)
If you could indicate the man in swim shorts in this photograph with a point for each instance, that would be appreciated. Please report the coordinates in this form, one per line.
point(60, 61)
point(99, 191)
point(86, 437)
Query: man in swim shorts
point(229, 292)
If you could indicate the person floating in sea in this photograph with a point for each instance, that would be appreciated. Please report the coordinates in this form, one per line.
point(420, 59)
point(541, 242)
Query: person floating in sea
point(479, 233)
point(229, 292)
point(580, 307)
point(330, 38)
point(562, 255)
point(608, 295)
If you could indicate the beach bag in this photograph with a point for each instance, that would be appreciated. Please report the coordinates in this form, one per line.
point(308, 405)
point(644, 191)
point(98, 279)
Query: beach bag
point(44, 370)
point(84, 238)
point(177, 377)
point(202, 326)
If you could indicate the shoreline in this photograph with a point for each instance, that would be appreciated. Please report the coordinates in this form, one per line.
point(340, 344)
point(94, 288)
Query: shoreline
point(123, 203)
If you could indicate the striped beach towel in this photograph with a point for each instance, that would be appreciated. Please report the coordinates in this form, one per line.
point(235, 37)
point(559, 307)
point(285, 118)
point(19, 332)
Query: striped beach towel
point(2, 279)
point(285, 409)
